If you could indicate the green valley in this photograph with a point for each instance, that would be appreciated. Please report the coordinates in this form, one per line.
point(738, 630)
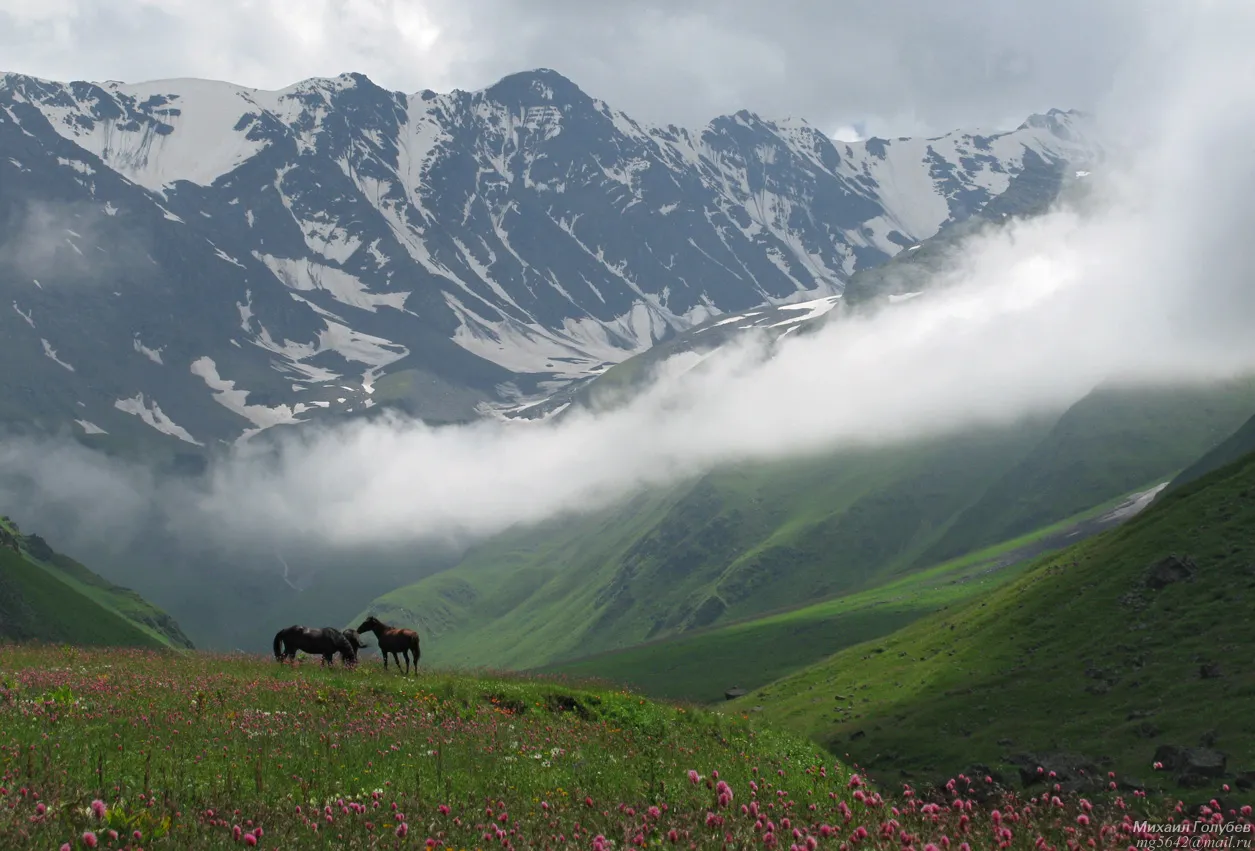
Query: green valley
point(702, 665)
point(744, 541)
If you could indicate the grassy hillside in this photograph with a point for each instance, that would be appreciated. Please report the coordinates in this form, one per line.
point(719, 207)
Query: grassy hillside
point(207, 752)
point(1088, 652)
point(1231, 449)
point(50, 597)
point(732, 544)
point(1112, 441)
point(701, 666)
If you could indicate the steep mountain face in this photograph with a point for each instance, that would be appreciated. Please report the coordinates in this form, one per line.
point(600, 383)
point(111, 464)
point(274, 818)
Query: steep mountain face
point(191, 261)
point(46, 596)
point(1038, 186)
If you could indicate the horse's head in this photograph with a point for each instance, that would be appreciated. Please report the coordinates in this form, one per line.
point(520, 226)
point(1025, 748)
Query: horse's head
point(354, 639)
point(371, 624)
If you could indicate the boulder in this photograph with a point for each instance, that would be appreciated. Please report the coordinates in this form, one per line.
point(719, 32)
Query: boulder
point(1072, 772)
point(1170, 570)
point(734, 692)
point(1205, 762)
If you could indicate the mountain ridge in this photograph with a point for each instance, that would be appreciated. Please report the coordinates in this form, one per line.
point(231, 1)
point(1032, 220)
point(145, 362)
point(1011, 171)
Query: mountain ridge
point(491, 245)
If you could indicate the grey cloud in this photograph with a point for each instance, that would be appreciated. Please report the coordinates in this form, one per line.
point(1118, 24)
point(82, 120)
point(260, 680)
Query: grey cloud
point(896, 67)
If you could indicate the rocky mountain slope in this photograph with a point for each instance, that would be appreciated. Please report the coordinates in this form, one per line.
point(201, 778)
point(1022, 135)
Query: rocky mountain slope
point(191, 261)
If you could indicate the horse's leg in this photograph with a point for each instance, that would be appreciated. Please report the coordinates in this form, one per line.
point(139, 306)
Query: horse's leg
point(384, 653)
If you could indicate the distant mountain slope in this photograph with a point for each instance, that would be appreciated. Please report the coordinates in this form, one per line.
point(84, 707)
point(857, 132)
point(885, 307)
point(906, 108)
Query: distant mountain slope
point(188, 261)
point(731, 544)
point(1112, 441)
point(704, 664)
point(50, 597)
point(743, 541)
point(1033, 191)
point(1110, 650)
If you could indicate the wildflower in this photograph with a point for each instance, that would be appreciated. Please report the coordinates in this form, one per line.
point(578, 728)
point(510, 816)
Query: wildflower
point(40, 809)
point(89, 839)
point(694, 777)
point(98, 808)
point(402, 829)
point(250, 839)
point(1082, 819)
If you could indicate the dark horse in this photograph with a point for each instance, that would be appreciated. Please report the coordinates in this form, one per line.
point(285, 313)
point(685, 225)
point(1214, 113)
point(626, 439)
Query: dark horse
point(394, 640)
point(325, 642)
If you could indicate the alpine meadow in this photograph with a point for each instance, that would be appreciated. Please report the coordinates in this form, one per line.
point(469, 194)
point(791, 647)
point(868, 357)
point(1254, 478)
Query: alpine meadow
point(474, 444)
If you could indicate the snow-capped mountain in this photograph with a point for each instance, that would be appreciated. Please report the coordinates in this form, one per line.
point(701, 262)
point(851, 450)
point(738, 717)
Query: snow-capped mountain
point(205, 260)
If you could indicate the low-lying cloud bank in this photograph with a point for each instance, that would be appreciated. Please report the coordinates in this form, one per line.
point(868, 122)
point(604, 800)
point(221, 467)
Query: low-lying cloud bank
point(1153, 281)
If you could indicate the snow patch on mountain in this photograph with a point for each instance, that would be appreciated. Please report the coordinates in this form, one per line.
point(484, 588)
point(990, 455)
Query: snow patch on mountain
point(153, 355)
point(894, 299)
point(304, 274)
point(226, 394)
point(26, 316)
point(151, 414)
point(51, 353)
point(814, 310)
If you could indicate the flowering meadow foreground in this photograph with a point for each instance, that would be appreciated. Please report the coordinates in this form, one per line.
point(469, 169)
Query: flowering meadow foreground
point(147, 750)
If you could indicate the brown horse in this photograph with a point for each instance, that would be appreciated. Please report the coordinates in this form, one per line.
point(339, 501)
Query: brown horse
point(394, 640)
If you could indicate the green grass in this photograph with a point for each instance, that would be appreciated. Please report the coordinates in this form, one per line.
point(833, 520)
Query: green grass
point(1075, 655)
point(51, 597)
point(732, 544)
point(701, 666)
point(35, 604)
point(134, 749)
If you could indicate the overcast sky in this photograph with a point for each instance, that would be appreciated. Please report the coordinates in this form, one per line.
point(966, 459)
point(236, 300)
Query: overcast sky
point(887, 67)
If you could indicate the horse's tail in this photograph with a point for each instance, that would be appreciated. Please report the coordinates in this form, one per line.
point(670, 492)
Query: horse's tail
point(417, 652)
point(279, 643)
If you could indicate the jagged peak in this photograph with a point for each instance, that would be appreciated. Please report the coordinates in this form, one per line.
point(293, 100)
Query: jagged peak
point(537, 87)
point(1052, 119)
